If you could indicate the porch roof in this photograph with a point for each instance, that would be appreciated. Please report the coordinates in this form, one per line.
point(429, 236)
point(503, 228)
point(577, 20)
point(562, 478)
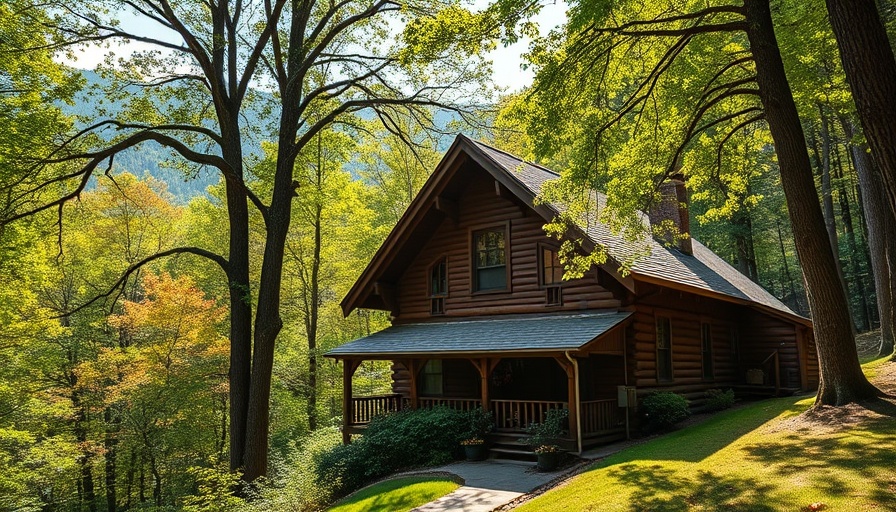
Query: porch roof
point(543, 333)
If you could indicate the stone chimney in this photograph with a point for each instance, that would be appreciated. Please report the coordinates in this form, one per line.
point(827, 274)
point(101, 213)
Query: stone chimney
point(672, 206)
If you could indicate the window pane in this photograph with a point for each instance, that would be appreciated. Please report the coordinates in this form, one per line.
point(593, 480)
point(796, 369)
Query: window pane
point(492, 278)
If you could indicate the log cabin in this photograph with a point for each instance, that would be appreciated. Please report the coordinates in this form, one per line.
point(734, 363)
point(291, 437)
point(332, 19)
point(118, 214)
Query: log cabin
point(481, 316)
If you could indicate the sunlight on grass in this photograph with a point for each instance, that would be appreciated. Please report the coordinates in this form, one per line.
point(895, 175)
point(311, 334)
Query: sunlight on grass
point(398, 495)
point(743, 460)
point(870, 368)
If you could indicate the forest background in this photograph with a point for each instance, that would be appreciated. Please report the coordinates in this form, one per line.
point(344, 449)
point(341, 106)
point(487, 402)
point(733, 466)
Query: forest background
point(122, 403)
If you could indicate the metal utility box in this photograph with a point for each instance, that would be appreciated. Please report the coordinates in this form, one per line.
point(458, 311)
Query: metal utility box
point(627, 396)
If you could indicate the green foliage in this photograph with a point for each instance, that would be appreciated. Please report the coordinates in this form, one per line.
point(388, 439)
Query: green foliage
point(663, 410)
point(393, 442)
point(481, 422)
point(551, 430)
point(216, 486)
point(718, 400)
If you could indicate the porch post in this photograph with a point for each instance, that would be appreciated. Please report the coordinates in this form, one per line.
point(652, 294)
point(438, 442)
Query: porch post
point(348, 369)
point(571, 368)
point(412, 369)
point(483, 368)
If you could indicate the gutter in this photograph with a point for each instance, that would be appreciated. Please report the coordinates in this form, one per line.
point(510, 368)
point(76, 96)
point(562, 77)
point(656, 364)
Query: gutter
point(575, 366)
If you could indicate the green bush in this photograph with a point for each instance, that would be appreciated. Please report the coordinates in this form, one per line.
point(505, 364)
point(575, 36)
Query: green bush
point(394, 442)
point(718, 400)
point(481, 422)
point(551, 431)
point(663, 410)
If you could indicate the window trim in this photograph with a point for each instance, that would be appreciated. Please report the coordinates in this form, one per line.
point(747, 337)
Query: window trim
point(471, 240)
point(541, 281)
point(437, 297)
point(671, 377)
point(706, 330)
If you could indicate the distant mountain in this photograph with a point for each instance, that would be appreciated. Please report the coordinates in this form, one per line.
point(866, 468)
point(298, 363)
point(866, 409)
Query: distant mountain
point(148, 159)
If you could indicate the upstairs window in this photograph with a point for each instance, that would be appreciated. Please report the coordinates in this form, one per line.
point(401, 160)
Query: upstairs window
point(663, 349)
point(551, 276)
point(490, 260)
point(706, 340)
point(438, 286)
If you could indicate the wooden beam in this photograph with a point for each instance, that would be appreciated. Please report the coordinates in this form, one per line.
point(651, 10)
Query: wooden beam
point(447, 207)
point(482, 366)
point(389, 293)
point(504, 193)
point(348, 369)
point(413, 367)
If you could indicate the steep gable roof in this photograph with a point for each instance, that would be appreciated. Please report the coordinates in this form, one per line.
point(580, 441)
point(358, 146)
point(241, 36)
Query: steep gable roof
point(704, 272)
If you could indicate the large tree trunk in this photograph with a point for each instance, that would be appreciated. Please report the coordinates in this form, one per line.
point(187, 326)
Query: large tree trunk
point(881, 237)
point(743, 244)
point(870, 69)
point(842, 380)
point(240, 297)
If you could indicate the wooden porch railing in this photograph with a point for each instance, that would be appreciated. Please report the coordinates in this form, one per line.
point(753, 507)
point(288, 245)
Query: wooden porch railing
point(601, 415)
point(458, 404)
point(364, 408)
point(516, 415)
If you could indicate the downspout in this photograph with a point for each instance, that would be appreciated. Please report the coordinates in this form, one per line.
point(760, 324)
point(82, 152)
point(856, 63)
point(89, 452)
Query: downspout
point(575, 370)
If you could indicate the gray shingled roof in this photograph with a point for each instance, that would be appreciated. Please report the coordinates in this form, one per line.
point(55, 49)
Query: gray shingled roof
point(515, 334)
point(704, 270)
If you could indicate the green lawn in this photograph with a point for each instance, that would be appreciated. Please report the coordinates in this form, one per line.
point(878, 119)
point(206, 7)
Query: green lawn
point(398, 495)
point(744, 460)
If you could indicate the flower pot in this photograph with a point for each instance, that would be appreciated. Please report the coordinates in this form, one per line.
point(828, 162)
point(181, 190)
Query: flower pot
point(549, 461)
point(476, 452)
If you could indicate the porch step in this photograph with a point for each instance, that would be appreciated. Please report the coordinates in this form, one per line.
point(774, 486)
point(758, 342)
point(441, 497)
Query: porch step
point(502, 452)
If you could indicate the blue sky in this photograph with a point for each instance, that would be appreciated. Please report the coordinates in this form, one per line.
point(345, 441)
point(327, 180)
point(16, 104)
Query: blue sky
point(506, 60)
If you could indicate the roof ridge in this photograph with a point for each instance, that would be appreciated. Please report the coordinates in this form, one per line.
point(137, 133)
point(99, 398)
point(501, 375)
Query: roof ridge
point(515, 157)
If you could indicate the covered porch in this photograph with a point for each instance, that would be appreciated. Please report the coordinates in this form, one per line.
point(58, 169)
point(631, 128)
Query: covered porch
point(517, 368)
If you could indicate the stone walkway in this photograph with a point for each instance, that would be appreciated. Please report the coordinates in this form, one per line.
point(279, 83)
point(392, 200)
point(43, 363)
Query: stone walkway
point(494, 483)
point(488, 485)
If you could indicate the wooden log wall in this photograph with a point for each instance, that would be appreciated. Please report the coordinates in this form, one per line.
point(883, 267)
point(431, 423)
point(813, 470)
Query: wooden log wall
point(761, 335)
point(480, 207)
point(686, 313)
point(460, 379)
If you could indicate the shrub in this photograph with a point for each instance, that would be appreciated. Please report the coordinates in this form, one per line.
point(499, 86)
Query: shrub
point(551, 430)
point(718, 400)
point(663, 410)
point(481, 422)
point(394, 442)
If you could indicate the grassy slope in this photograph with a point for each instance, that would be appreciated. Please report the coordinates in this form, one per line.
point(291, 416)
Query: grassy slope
point(744, 460)
point(397, 495)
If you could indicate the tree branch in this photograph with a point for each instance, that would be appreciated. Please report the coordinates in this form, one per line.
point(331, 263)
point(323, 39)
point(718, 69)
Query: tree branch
point(216, 258)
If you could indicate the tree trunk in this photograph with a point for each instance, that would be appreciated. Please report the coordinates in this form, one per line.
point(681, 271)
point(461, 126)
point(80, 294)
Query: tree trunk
point(854, 253)
point(743, 244)
point(841, 379)
point(110, 444)
point(85, 476)
point(240, 299)
point(881, 237)
point(870, 69)
point(314, 306)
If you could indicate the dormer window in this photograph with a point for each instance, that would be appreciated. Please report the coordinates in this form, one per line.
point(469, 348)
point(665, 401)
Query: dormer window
point(551, 276)
point(438, 286)
point(490, 260)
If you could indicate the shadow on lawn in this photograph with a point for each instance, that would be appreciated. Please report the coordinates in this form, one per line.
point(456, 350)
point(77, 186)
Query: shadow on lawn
point(695, 443)
point(679, 493)
point(869, 454)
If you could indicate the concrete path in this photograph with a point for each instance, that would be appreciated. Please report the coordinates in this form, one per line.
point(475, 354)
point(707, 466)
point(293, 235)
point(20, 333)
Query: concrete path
point(488, 485)
point(494, 483)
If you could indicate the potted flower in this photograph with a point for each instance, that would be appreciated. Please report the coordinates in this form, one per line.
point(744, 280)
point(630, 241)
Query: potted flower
point(481, 423)
point(546, 436)
point(474, 449)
